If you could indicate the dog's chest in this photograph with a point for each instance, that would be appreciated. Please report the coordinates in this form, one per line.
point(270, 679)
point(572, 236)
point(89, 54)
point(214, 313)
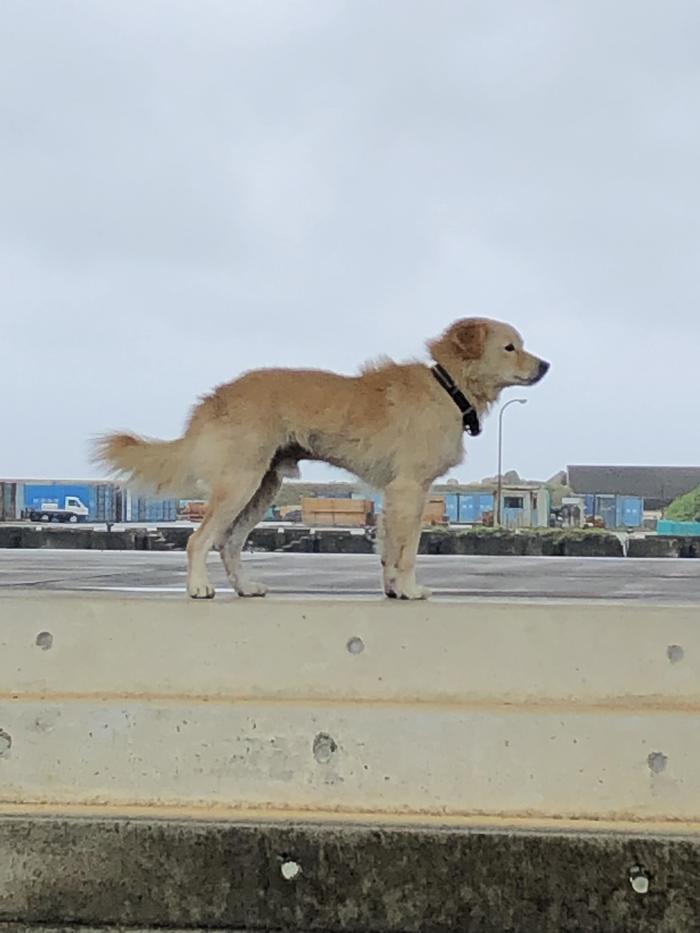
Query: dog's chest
point(446, 452)
point(456, 456)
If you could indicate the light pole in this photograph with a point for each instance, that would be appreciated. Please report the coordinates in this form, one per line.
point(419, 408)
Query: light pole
point(499, 478)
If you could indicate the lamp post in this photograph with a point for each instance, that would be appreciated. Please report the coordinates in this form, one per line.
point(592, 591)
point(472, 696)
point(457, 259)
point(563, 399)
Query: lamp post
point(499, 478)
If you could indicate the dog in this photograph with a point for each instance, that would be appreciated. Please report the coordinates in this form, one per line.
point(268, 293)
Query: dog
point(396, 426)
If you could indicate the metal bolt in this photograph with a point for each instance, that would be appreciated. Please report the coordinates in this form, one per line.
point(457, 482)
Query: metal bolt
point(290, 870)
point(639, 880)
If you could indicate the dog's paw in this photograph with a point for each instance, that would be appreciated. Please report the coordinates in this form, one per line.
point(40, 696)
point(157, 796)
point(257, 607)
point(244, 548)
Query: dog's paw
point(250, 588)
point(413, 592)
point(200, 590)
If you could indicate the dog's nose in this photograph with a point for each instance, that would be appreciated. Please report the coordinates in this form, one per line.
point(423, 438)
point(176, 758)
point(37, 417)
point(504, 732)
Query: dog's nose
point(542, 368)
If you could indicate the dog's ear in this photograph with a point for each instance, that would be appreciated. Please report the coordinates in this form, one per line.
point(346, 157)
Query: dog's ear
point(470, 338)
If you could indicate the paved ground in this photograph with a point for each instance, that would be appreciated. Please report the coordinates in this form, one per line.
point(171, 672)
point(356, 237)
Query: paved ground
point(344, 575)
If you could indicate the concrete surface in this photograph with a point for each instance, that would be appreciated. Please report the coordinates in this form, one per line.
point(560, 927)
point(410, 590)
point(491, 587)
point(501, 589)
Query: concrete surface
point(355, 709)
point(348, 766)
point(314, 575)
point(176, 875)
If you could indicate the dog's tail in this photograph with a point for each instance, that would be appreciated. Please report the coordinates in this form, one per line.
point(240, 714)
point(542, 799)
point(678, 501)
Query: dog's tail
point(159, 466)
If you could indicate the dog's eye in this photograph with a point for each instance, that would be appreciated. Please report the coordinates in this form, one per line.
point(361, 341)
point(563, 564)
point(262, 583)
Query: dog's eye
point(510, 348)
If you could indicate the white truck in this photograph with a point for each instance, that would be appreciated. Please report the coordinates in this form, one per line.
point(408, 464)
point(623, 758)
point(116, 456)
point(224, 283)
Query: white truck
point(50, 510)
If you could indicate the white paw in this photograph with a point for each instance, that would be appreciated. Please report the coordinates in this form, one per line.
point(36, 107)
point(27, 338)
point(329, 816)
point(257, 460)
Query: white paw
point(200, 590)
point(410, 591)
point(250, 588)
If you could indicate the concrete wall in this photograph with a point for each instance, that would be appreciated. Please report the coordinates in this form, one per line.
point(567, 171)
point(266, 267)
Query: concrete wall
point(350, 708)
point(352, 767)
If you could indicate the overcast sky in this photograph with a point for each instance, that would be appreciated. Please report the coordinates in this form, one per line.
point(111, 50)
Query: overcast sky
point(192, 189)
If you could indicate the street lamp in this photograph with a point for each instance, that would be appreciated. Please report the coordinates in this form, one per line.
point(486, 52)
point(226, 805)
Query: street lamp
point(499, 478)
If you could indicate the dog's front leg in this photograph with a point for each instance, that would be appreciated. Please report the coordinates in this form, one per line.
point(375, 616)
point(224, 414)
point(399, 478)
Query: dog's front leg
point(404, 502)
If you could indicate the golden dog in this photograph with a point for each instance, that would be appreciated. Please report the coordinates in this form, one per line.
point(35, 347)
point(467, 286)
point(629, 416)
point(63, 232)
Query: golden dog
point(397, 426)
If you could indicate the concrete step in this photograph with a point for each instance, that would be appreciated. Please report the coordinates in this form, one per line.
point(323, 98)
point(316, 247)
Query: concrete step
point(298, 878)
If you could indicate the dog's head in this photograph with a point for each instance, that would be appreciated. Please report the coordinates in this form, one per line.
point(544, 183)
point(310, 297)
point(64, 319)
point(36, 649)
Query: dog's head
point(489, 353)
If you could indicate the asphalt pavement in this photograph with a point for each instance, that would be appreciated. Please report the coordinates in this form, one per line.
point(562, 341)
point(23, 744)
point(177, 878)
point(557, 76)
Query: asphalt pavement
point(357, 576)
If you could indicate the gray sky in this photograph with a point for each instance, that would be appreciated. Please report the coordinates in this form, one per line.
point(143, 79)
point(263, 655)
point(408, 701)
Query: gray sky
point(191, 189)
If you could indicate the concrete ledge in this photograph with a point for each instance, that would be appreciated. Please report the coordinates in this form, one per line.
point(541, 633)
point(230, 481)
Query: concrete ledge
point(353, 709)
point(554, 542)
point(348, 767)
point(33, 537)
point(161, 874)
point(296, 539)
point(662, 546)
point(299, 539)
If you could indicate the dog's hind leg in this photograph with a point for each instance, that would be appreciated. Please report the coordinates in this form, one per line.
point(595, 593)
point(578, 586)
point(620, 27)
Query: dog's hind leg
point(404, 502)
point(224, 506)
point(237, 533)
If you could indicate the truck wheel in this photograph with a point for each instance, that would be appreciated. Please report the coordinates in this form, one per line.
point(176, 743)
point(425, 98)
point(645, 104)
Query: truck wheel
point(44, 517)
point(73, 519)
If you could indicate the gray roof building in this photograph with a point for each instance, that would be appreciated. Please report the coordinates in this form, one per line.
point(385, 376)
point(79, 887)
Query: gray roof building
point(657, 485)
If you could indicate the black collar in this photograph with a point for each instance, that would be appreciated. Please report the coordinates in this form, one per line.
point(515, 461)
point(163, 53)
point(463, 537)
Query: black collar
point(470, 418)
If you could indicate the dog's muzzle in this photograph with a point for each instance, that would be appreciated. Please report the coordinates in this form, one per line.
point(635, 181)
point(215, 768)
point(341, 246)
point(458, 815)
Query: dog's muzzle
point(542, 370)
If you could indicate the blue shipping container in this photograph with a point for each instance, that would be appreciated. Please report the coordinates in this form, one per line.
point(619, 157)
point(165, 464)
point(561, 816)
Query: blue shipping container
point(630, 511)
point(102, 502)
point(146, 509)
point(472, 506)
point(469, 507)
point(452, 507)
point(678, 529)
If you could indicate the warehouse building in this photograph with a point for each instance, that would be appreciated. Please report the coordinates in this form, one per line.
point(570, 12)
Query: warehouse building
point(621, 495)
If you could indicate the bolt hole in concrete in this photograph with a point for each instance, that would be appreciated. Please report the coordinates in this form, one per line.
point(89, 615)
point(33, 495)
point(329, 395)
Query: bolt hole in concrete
point(674, 653)
point(639, 880)
point(657, 762)
point(324, 748)
point(44, 640)
point(290, 869)
point(5, 743)
point(356, 645)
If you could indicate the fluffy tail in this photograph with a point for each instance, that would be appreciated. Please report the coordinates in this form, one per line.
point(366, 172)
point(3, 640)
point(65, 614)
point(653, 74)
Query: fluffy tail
point(159, 466)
